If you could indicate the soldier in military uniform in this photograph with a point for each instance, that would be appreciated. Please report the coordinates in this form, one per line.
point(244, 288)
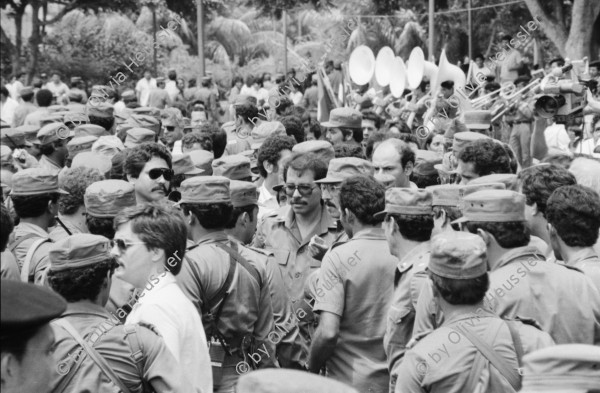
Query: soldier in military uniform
point(289, 231)
point(28, 341)
point(241, 229)
point(231, 294)
point(353, 292)
point(474, 350)
point(35, 198)
point(408, 227)
point(94, 351)
point(522, 282)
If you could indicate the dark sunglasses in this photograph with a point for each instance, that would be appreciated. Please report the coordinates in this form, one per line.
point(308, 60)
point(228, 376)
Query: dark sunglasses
point(303, 189)
point(170, 128)
point(158, 172)
point(123, 245)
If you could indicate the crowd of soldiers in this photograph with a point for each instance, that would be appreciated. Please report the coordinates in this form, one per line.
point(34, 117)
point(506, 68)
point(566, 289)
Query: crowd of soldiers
point(149, 246)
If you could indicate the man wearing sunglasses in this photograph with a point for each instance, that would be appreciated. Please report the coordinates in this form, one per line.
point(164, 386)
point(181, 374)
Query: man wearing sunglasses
point(288, 233)
point(149, 168)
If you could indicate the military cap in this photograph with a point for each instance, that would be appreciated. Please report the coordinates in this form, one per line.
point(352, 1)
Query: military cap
point(493, 206)
point(25, 91)
point(79, 108)
point(103, 110)
point(234, 167)
point(203, 159)
point(243, 99)
point(243, 193)
point(74, 95)
point(323, 149)
point(341, 169)
point(12, 138)
point(106, 198)
point(385, 179)
point(508, 179)
point(27, 307)
point(426, 160)
point(183, 165)
point(344, 117)
point(205, 189)
point(128, 95)
point(5, 154)
point(75, 79)
point(51, 118)
point(52, 132)
point(289, 381)
point(137, 136)
point(35, 181)
point(57, 108)
point(30, 133)
point(478, 119)
point(160, 79)
point(76, 116)
point(406, 201)
point(108, 145)
point(78, 251)
point(89, 159)
point(147, 111)
point(567, 368)
point(261, 132)
point(445, 195)
point(463, 138)
point(89, 129)
point(144, 121)
point(458, 255)
point(471, 188)
point(81, 144)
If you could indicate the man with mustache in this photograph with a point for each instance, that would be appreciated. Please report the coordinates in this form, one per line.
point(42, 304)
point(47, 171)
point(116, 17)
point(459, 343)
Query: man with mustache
point(339, 170)
point(149, 168)
point(287, 232)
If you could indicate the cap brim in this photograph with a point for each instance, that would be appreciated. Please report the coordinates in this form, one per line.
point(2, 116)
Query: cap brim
point(381, 214)
point(441, 168)
point(329, 179)
point(460, 220)
point(61, 191)
point(196, 171)
point(330, 124)
point(478, 126)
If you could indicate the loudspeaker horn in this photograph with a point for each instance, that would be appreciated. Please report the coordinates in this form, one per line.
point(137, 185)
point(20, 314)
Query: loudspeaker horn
point(398, 81)
point(415, 68)
point(384, 66)
point(361, 65)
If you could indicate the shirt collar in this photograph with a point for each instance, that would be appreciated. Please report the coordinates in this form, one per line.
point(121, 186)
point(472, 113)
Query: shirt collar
point(582, 255)
point(518, 253)
point(31, 228)
point(213, 237)
point(370, 234)
point(86, 308)
point(326, 222)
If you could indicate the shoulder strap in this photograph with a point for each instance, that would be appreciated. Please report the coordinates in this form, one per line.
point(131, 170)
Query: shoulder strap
point(511, 375)
point(29, 257)
point(516, 337)
point(15, 244)
point(242, 261)
point(222, 293)
point(93, 354)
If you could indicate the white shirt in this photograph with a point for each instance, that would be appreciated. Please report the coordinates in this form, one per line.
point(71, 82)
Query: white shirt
point(7, 110)
point(57, 89)
point(163, 305)
point(171, 89)
point(143, 87)
point(556, 137)
point(587, 147)
point(267, 202)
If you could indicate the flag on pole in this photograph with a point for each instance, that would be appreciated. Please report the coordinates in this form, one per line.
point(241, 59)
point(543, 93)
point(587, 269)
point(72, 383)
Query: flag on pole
point(327, 100)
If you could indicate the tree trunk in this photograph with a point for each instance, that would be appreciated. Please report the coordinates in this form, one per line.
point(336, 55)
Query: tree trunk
point(18, 39)
point(577, 42)
point(34, 40)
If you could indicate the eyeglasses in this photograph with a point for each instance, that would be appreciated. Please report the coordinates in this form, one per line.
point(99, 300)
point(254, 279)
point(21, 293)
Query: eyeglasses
point(303, 189)
point(158, 172)
point(330, 188)
point(123, 245)
point(169, 128)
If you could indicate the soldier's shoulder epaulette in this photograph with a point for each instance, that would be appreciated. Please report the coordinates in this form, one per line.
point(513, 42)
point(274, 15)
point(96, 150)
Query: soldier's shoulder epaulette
point(413, 341)
point(574, 268)
point(337, 244)
point(528, 321)
point(149, 326)
point(261, 251)
point(405, 266)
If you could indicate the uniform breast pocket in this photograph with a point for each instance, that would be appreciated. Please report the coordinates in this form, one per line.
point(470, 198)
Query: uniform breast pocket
point(282, 256)
point(396, 315)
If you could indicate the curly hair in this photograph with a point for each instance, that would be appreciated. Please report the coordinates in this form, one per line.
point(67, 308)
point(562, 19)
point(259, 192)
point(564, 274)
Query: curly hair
point(348, 150)
point(487, 155)
point(364, 196)
point(6, 225)
point(105, 122)
point(510, 234)
point(316, 130)
point(539, 182)
point(413, 227)
point(306, 162)
point(270, 151)
point(83, 283)
point(574, 211)
point(159, 227)
point(247, 112)
point(102, 226)
point(293, 127)
point(75, 181)
point(217, 136)
point(210, 215)
point(203, 139)
point(138, 156)
point(470, 291)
